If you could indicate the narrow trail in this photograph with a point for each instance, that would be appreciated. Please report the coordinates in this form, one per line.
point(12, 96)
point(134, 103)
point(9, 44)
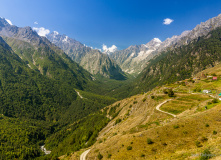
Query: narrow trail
point(79, 94)
point(84, 154)
point(159, 105)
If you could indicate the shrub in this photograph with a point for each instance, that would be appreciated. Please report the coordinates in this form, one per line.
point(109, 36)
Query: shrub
point(99, 156)
point(130, 106)
point(129, 148)
point(164, 144)
point(197, 90)
point(149, 141)
point(209, 103)
point(176, 126)
point(207, 125)
point(204, 139)
point(134, 102)
point(165, 91)
point(144, 99)
point(215, 100)
point(117, 121)
point(198, 144)
point(206, 155)
point(170, 93)
point(214, 132)
point(109, 155)
point(131, 142)
point(152, 97)
point(142, 155)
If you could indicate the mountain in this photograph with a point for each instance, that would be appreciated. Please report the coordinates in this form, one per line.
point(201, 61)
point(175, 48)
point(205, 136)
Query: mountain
point(133, 59)
point(43, 56)
point(90, 59)
point(182, 62)
point(27, 93)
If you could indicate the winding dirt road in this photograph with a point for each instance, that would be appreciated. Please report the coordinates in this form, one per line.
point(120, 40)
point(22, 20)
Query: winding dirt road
point(84, 154)
point(159, 105)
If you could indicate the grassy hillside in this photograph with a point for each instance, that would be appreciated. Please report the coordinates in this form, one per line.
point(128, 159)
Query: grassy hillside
point(140, 131)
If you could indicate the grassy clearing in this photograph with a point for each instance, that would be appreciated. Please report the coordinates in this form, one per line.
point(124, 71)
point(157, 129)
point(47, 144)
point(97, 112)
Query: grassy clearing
point(184, 102)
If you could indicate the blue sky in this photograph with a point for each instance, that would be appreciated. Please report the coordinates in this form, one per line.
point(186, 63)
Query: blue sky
point(111, 22)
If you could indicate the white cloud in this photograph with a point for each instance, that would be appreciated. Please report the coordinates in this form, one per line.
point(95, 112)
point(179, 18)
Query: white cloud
point(110, 49)
point(9, 22)
point(167, 21)
point(35, 22)
point(41, 31)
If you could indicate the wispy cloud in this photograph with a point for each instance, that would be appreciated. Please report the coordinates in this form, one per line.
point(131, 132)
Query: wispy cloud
point(9, 22)
point(110, 49)
point(167, 21)
point(41, 31)
point(35, 22)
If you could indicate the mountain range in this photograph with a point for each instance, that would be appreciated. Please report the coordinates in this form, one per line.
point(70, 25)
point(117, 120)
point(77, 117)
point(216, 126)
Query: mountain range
point(52, 95)
point(94, 61)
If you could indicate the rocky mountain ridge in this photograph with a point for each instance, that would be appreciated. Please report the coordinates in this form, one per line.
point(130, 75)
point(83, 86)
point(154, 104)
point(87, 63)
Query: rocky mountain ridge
point(94, 61)
point(133, 59)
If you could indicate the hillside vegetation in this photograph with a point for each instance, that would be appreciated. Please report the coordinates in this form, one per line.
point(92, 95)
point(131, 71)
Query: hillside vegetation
point(142, 132)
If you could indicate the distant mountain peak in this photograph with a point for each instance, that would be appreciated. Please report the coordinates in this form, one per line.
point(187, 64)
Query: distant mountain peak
point(157, 40)
point(5, 22)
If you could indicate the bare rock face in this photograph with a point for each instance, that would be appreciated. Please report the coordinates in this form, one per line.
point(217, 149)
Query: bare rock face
point(90, 59)
point(133, 59)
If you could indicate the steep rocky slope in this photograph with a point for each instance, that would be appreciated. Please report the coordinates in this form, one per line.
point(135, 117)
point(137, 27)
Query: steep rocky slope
point(90, 59)
point(133, 59)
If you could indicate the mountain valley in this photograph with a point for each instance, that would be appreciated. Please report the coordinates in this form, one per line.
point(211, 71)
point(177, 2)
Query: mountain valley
point(159, 100)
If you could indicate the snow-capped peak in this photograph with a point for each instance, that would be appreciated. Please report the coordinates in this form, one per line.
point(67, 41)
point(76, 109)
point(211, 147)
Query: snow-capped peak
point(9, 22)
point(157, 40)
point(56, 33)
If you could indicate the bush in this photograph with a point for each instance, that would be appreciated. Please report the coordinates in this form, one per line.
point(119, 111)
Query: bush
point(207, 125)
point(198, 144)
point(176, 126)
point(129, 148)
point(134, 102)
point(117, 121)
point(170, 93)
point(144, 99)
point(109, 155)
point(99, 156)
point(214, 132)
point(215, 100)
point(149, 141)
point(208, 103)
point(204, 139)
point(152, 97)
point(206, 155)
point(142, 155)
point(197, 90)
point(165, 91)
